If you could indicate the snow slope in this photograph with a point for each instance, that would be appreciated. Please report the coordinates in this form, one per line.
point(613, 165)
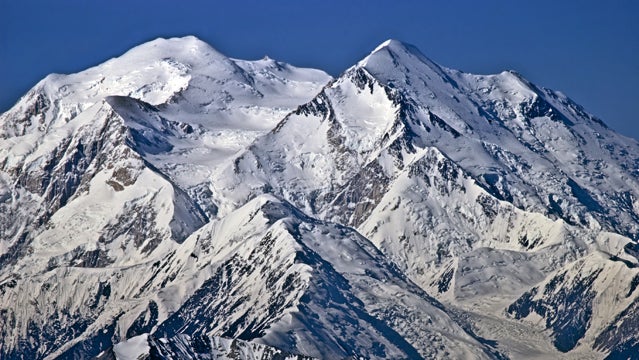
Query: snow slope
point(479, 187)
point(184, 346)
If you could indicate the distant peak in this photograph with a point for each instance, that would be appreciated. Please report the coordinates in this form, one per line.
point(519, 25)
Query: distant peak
point(388, 44)
point(183, 41)
point(398, 47)
point(188, 49)
point(392, 54)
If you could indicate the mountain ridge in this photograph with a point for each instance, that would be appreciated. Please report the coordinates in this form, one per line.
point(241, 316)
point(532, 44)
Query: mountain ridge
point(399, 210)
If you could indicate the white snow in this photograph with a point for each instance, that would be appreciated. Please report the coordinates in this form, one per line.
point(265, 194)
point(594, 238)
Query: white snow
point(330, 201)
point(132, 349)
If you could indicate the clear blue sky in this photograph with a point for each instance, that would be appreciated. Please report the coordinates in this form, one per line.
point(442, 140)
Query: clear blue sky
point(586, 49)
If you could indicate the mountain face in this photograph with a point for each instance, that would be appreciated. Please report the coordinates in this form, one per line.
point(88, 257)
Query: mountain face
point(187, 347)
point(174, 202)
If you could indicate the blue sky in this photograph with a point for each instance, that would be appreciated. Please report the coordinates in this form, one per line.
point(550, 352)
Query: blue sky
point(587, 49)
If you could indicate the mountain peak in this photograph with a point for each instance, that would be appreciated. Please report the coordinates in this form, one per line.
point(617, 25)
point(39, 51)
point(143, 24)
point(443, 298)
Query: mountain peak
point(398, 48)
point(260, 201)
point(187, 49)
point(391, 44)
point(183, 40)
point(396, 63)
point(394, 54)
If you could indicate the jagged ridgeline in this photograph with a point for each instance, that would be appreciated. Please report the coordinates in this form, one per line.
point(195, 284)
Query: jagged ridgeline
point(174, 202)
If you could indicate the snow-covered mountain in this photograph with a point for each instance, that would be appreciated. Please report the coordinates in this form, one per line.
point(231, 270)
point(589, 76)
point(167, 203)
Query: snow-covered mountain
point(175, 202)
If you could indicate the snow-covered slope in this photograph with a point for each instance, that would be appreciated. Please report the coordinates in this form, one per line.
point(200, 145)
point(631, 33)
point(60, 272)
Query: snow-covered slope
point(479, 187)
point(187, 347)
point(401, 210)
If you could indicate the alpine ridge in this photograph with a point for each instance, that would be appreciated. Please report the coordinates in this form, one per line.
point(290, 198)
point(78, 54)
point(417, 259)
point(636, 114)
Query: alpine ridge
point(174, 202)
